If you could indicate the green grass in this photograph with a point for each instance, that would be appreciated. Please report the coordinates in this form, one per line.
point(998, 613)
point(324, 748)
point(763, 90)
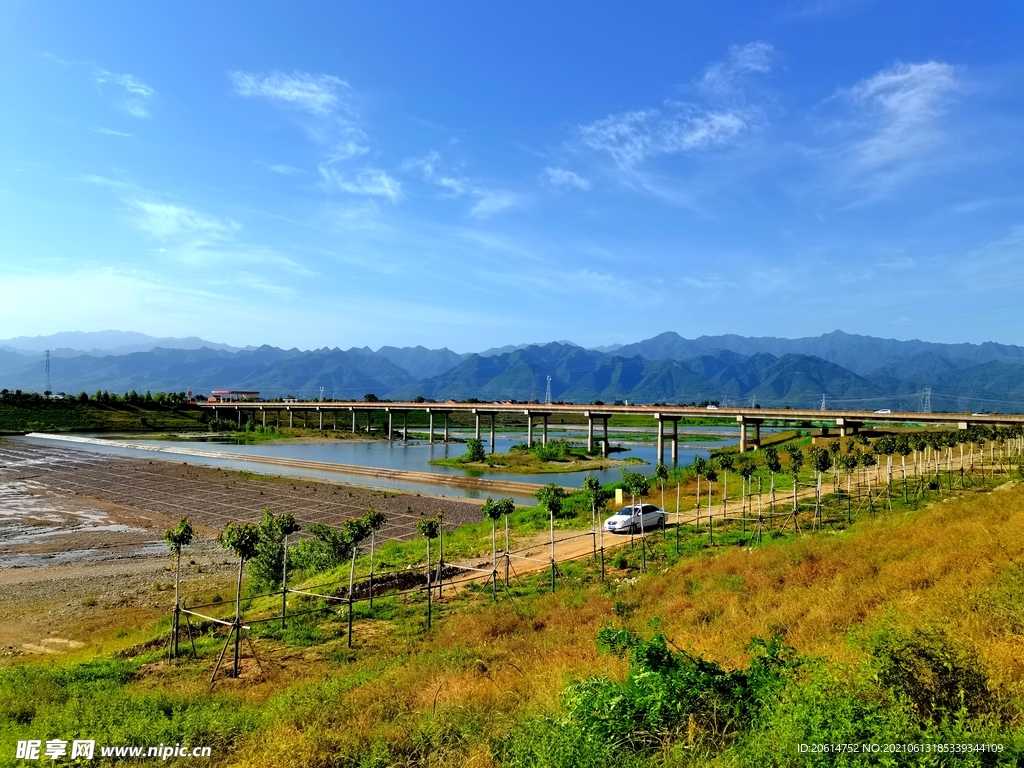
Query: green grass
point(74, 416)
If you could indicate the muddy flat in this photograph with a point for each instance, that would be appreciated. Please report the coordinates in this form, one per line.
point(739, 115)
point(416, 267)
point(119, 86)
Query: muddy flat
point(82, 557)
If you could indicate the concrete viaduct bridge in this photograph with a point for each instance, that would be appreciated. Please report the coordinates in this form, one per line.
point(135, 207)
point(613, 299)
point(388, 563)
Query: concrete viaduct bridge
point(749, 419)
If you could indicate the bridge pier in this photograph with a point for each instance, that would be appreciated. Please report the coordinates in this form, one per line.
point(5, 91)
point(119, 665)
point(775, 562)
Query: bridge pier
point(492, 432)
point(847, 427)
point(390, 426)
point(544, 438)
point(335, 427)
point(477, 434)
point(291, 419)
point(264, 414)
point(661, 419)
point(604, 440)
point(431, 415)
point(369, 421)
point(446, 426)
point(590, 434)
point(591, 416)
point(529, 430)
point(745, 443)
point(239, 417)
point(405, 426)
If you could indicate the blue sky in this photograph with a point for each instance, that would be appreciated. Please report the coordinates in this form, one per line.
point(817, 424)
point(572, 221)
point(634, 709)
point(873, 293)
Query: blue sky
point(477, 174)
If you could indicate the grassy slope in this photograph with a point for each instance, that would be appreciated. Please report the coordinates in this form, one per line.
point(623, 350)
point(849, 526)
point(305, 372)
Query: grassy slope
point(72, 416)
point(448, 696)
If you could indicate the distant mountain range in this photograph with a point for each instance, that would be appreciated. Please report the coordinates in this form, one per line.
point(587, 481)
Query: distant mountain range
point(848, 370)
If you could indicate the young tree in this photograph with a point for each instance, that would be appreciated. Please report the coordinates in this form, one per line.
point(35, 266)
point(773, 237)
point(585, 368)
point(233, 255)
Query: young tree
point(746, 471)
point(177, 538)
point(598, 498)
point(429, 528)
point(796, 462)
point(661, 475)
point(551, 497)
point(375, 520)
point(699, 467)
point(821, 461)
point(243, 540)
point(773, 465)
point(726, 461)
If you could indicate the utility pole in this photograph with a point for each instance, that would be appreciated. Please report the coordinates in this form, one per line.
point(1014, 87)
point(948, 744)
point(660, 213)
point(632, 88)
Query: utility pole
point(47, 358)
point(928, 400)
point(823, 402)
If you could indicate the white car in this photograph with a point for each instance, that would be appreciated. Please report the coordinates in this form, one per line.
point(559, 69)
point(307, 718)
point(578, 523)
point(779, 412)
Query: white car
point(627, 519)
point(884, 410)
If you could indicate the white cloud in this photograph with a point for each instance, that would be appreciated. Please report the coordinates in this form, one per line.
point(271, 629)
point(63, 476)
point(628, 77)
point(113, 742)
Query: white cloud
point(323, 104)
point(167, 221)
point(561, 177)
point(723, 78)
point(137, 93)
point(369, 181)
point(317, 94)
point(632, 137)
point(287, 170)
point(110, 132)
point(493, 202)
point(899, 110)
point(488, 201)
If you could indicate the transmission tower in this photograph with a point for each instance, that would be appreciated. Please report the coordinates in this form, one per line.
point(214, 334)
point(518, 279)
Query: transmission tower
point(823, 402)
point(47, 358)
point(547, 394)
point(928, 400)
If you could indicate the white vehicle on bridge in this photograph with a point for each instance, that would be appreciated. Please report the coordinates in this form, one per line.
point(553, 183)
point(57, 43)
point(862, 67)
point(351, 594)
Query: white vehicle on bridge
point(627, 519)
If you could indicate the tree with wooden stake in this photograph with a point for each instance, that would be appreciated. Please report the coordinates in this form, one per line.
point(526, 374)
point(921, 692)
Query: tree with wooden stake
point(712, 475)
point(638, 486)
point(598, 498)
point(490, 513)
point(287, 525)
point(504, 508)
point(850, 461)
point(243, 540)
point(551, 497)
point(726, 461)
point(796, 462)
point(821, 461)
point(773, 465)
point(747, 470)
point(661, 474)
point(429, 528)
point(699, 467)
point(354, 530)
point(176, 538)
point(374, 520)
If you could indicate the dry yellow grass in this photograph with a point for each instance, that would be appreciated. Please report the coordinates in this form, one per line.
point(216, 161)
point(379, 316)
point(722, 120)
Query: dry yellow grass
point(483, 670)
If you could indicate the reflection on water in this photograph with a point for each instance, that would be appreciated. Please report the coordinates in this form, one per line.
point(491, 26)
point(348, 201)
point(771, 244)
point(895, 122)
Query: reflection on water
point(411, 456)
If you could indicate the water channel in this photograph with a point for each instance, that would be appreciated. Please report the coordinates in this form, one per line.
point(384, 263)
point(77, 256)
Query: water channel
point(413, 455)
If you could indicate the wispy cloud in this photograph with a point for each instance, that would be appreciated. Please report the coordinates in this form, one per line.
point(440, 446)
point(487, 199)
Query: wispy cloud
point(167, 221)
point(110, 132)
point(321, 104)
point(900, 108)
point(317, 94)
point(723, 78)
point(565, 179)
point(632, 137)
point(136, 94)
point(488, 201)
point(287, 170)
point(721, 113)
point(368, 181)
point(492, 202)
point(892, 124)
